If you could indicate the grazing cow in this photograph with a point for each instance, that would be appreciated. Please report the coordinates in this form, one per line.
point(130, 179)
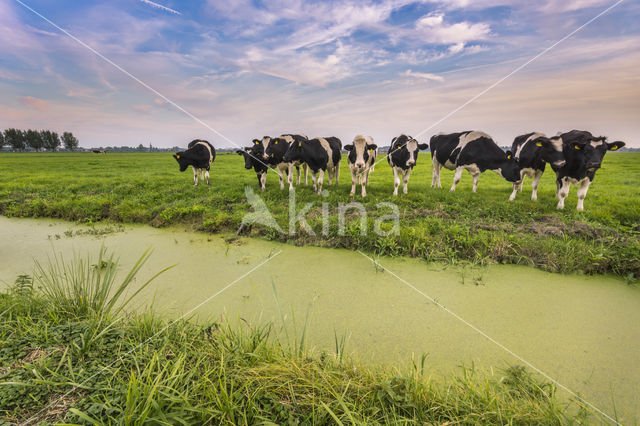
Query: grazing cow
point(583, 153)
point(361, 158)
point(474, 151)
point(402, 157)
point(199, 155)
point(99, 151)
point(253, 160)
point(320, 155)
point(275, 149)
point(532, 152)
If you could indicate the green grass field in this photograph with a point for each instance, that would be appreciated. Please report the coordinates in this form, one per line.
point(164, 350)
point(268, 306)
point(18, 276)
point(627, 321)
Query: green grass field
point(435, 224)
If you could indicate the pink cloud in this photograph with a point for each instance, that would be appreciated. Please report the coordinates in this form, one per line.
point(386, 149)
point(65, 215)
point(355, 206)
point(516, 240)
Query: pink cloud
point(35, 103)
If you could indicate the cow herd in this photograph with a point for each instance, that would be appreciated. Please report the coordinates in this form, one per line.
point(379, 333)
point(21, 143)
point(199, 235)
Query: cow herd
point(574, 156)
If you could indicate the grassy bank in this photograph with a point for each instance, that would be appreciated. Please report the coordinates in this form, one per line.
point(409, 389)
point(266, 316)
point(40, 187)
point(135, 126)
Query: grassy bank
point(69, 354)
point(435, 224)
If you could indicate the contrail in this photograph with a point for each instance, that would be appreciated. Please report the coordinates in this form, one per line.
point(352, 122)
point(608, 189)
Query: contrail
point(159, 6)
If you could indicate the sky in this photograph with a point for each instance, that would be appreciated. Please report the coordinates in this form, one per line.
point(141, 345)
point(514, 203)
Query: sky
point(230, 71)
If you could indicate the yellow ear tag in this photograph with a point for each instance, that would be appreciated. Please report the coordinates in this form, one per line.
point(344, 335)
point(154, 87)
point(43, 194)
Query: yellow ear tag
point(538, 143)
point(614, 148)
point(276, 143)
point(576, 147)
point(299, 143)
point(509, 157)
point(177, 156)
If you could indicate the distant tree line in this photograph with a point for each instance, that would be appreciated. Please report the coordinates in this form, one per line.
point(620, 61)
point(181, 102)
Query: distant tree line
point(37, 140)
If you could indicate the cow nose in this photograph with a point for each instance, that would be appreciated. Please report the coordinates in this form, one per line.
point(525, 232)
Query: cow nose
point(560, 163)
point(265, 156)
point(411, 163)
point(359, 165)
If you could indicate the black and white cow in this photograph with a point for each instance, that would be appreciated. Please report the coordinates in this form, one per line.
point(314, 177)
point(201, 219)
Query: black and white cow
point(402, 157)
point(361, 158)
point(320, 155)
point(583, 153)
point(474, 151)
point(199, 155)
point(532, 152)
point(253, 160)
point(274, 152)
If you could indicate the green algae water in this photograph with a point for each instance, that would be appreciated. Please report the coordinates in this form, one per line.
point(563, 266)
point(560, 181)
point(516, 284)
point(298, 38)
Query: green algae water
point(584, 331)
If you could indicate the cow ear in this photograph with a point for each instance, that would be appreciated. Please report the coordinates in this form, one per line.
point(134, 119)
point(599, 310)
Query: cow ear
point(372, 146)
point(175, 156)
point(423, 146)
point(348, 147)
point(239, 152)
point(394, 140)
point(613, 146)
point(509, 155)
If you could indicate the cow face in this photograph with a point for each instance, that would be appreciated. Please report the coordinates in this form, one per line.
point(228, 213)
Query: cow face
point(183, 162)
point(408, 148)
point(260, 149)
point(509, 169)
point(359, 152)
point(273, 147)
point(248, 157)
point(294, 153)
point(551, 149)
point(588, 154)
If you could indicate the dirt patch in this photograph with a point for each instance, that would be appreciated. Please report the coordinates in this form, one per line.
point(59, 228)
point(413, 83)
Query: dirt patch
point(55, 409)
point(33, 355)
point(545, 230)
point(583, 229)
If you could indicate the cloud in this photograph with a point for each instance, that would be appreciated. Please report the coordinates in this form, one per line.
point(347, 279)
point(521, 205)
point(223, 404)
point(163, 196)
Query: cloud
point(161, 7)
point(422, 75)
point(145, 109)
point(35, 103)
point(434, 30)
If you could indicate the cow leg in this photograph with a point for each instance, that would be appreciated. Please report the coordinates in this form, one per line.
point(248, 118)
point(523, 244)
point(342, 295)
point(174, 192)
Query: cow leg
point(290, 176)
point(320, 180)
point(280, 177)
point(263, 181)
point(313, 179)
point(515, 191)
point(337, 172)
point(582, 193)
point(534, 184)
point(195, 176)
point(456, 178)
point(354, 181)
point(365, 180)
point(475, 176)
point(396, 181)
point(563, 193)
point(405, 180)
point(206, 175)
point(330, 171)
point(298, 174)
point(306, 173)
point(435, 173)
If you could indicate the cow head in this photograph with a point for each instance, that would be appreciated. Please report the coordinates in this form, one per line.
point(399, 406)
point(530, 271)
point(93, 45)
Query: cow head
point(275, 149)
point(551, 150)
point(509, 168)
point(260, 149)
point(360, 151)
point(294, 153)
point(407, 149)
point(182, 161)
point(248, 155)
point(588, 153)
